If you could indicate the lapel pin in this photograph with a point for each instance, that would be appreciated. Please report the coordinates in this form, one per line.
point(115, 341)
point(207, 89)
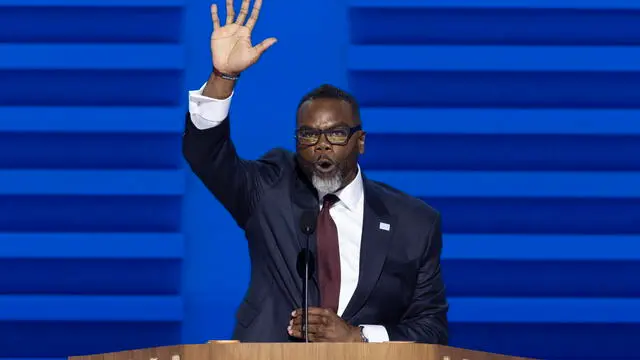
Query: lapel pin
point(385, 226)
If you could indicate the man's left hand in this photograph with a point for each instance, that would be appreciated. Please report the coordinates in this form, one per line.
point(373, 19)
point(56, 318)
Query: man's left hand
point(324, 326)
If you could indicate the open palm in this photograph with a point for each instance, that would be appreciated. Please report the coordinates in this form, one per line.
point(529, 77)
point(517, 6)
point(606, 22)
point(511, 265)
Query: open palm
point(231, 47)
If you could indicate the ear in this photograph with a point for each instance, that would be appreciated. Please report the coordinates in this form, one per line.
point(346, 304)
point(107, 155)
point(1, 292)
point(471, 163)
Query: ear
point(361, 139)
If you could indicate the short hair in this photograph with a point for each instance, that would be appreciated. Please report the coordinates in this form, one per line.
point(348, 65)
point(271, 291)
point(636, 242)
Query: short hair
point(327, 91)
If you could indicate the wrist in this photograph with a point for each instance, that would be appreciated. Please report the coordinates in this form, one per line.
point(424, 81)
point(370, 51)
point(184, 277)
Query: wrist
point(218, 87)
point(357, 334)
point(226, 75)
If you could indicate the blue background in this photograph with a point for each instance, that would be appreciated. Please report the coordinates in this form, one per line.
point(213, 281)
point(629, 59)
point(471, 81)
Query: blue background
point(517, 119)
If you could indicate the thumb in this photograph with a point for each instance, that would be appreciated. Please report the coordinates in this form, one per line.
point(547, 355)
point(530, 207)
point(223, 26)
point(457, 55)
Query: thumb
point(264, 45)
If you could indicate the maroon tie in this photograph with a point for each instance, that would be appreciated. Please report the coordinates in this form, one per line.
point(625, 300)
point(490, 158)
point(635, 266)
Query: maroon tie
point(328, 256)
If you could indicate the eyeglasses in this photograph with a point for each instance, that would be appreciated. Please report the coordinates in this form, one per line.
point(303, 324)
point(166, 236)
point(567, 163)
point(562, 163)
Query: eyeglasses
point(339, 135)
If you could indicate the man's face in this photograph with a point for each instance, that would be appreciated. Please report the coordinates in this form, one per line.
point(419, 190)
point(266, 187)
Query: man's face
point(330, 159)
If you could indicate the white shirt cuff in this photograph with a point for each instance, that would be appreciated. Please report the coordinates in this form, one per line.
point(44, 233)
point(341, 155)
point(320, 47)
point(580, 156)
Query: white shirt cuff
point(375, 333)
point(207, 112)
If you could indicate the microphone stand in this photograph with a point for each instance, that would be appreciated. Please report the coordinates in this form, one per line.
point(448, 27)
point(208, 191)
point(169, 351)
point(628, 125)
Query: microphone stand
point(308, 225)
point(306, 292)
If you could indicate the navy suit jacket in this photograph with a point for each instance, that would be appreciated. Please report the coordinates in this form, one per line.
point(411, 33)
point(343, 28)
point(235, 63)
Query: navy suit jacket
point(400, 284)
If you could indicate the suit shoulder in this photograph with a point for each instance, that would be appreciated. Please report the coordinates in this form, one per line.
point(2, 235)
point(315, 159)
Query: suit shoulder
point(400, 202)
point(276, 164)
point(279, 156)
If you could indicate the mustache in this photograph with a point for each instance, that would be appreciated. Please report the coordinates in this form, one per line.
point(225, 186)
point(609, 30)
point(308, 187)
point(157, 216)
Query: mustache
point(324, 159)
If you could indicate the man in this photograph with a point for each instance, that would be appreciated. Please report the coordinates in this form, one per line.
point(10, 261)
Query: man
point(377, 250)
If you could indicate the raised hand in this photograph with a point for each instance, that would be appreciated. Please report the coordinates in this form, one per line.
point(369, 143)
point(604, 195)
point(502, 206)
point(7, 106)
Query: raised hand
point(231, 47)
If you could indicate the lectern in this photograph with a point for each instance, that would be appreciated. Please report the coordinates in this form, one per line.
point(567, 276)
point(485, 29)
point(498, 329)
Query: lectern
point(228, 350)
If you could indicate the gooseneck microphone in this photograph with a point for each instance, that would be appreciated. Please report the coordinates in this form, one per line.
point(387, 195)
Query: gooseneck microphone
point(305, 265)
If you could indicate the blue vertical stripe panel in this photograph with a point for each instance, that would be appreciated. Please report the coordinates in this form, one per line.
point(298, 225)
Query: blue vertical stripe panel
point(154, 5)
point(136, 121)
point(527, 4)
point(87, 182)
point(91, 246)
point(513, 184)
point(91, 57)
point(90, 308)
point(501, 121)
point(518, 121)
point(493, 58)
point(525, 22)
point(91, 177)
point(538, 248)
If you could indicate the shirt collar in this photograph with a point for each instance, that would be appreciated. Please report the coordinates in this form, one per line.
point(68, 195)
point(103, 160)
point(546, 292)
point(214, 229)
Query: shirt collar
point(351, 194)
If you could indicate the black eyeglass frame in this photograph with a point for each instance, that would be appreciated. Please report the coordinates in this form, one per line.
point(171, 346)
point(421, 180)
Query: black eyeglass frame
point(352, 130)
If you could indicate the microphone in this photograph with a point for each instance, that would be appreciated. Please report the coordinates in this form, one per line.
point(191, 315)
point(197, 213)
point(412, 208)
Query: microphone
point(306, 265)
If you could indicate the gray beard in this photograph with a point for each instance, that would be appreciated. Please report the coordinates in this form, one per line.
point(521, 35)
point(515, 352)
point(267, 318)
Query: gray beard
point(327, 185)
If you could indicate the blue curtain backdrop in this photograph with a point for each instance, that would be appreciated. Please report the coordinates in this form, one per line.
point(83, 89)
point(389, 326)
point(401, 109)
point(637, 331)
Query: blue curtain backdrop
point(517, 119)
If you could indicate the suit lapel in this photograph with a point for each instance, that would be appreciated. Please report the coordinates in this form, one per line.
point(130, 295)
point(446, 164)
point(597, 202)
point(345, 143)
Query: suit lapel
point(377, 231)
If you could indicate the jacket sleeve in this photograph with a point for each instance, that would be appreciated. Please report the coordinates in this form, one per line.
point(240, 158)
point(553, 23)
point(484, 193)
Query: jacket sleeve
point(237, 183)
point(425, 320)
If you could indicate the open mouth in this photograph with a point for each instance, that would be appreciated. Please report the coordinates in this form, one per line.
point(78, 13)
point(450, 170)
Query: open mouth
point(324, 165)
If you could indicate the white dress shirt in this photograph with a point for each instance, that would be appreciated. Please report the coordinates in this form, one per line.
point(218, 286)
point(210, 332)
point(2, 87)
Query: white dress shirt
point(347, 213)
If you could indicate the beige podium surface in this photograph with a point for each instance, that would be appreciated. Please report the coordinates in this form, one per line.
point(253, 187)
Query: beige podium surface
point(230, 350)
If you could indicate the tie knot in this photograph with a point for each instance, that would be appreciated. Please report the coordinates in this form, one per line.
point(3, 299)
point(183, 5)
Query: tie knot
point(329, 200)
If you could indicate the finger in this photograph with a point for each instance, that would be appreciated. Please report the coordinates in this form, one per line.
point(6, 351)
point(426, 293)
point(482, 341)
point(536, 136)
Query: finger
point(317, 334)
point(323, 311)
point(230, 12)
point(300, 335)
point(254, 14)
point(244, 11)
point(316, 329)
point(312, 310)
point(314, 319)
point(264, 45)
point(214, 16)
point(298, 332)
